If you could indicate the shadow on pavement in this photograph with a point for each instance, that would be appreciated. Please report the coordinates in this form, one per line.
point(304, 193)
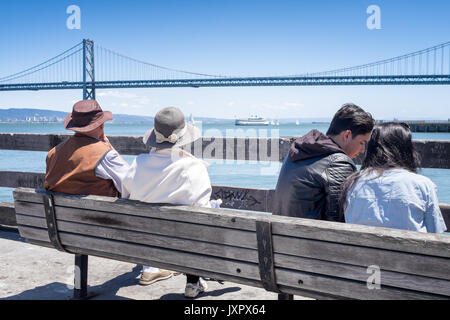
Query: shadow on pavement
point(105, 291)
point(212, 293)
point(10, 233)
point(60, 291)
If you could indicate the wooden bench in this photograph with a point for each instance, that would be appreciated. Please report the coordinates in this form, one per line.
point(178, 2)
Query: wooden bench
point(318, 259)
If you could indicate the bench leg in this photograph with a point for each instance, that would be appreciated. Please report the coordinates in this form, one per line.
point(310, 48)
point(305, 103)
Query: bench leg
point(80, 291)
point(285, 296)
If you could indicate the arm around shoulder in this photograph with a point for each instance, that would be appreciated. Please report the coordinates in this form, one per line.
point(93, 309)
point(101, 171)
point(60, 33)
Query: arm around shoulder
point(112, 167)
point(341, 167)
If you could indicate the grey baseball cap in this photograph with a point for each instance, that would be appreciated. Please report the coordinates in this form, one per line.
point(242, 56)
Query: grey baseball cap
point(171, 130)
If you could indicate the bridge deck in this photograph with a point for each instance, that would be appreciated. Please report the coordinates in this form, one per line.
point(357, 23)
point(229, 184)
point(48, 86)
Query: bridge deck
point(241, 82)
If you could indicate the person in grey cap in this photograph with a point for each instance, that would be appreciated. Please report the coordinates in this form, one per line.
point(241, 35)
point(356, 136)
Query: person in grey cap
point(169, 174)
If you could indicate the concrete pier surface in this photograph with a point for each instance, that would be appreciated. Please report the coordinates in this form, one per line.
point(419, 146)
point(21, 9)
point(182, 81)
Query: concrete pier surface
point(30, 272)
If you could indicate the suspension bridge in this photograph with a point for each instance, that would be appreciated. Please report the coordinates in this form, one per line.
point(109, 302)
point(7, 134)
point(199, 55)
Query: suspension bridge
point(89, 66)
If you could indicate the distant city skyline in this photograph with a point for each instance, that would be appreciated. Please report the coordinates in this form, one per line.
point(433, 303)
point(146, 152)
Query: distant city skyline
point(48, 115)
point(242, 38)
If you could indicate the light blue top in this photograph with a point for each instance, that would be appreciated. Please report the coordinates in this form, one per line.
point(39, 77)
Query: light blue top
point(396, 199)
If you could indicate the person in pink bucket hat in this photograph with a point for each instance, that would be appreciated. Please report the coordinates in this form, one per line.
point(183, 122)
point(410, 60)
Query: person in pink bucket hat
point(86, 163)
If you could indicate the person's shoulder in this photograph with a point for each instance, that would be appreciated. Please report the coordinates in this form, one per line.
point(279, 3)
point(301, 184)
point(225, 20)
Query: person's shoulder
point(51, 151)
point(423, 180)
point(95, 145)
point(194, 162)
point(112, 154)
point(191, 166)
point(141, 160)
point(411, 177)
point(341, 158)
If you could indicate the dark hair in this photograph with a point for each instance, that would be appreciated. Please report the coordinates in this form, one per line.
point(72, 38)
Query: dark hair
point(353, 118)
point(390, 146)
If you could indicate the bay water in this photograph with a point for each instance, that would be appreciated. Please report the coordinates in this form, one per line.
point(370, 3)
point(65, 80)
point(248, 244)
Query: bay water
point(252, 174)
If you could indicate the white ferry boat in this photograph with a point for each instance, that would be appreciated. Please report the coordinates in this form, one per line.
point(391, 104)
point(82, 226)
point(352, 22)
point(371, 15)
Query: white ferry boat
point(252, 121)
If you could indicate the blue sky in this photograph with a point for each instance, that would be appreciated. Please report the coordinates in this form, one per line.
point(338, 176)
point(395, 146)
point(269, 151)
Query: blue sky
point(233, 38)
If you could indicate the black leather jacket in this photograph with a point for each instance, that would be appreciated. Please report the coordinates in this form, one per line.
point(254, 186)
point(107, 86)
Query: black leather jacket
point(311, 179)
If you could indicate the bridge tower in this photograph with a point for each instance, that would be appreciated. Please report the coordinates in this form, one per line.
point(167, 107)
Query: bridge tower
point(88, 70)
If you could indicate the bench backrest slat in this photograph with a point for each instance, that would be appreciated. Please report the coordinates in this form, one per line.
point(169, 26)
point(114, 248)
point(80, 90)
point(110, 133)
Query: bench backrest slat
point(391, 239)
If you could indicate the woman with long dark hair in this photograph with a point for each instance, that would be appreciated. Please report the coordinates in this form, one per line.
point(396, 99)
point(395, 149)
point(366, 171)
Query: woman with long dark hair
point(387, 191)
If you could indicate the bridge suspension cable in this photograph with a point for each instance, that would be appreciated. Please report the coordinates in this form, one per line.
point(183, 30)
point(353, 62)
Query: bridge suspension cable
point(111, 65)
point(65, 67)
point(430, 61)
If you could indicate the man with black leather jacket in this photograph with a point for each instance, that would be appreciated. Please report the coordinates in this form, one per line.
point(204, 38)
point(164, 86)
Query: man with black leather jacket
point(317, 165)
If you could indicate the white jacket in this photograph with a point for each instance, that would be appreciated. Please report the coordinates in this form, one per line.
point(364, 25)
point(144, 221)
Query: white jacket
point(168, 176)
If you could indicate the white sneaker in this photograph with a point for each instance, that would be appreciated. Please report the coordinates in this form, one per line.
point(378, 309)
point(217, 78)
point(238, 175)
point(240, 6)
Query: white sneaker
point(192, 290)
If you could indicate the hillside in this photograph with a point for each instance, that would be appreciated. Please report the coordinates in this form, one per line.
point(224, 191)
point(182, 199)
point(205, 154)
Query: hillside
point(42, 115)
point(31, 115)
